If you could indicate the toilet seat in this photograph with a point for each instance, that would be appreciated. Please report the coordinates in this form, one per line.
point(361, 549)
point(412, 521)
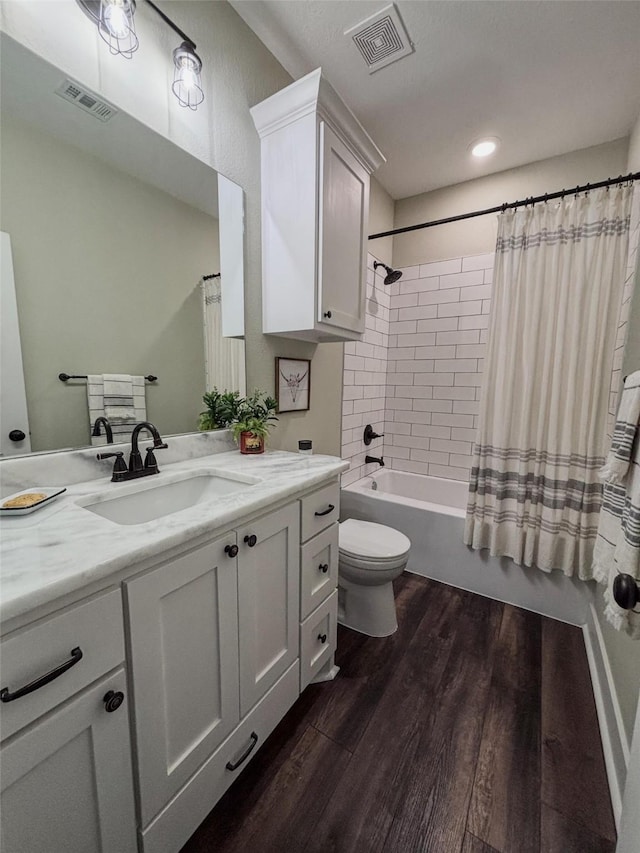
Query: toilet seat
point(366, 543)
point(372, 566)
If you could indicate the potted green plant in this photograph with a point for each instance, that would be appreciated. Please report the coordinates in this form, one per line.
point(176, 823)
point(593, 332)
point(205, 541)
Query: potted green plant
point(222, 409)
point(253, 421)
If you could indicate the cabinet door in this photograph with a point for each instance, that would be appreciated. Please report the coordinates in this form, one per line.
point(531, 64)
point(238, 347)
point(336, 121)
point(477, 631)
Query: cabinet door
point(183, 627)
point(343, 219)
point(268, 603)
point(67, 781)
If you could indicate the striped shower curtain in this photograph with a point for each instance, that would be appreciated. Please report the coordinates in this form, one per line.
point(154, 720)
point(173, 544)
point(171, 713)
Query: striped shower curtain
point(534, 492)
point(224, 357)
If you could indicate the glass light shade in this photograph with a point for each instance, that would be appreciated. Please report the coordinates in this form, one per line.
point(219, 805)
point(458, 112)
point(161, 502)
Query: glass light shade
point(187, 84)
point(117, 27)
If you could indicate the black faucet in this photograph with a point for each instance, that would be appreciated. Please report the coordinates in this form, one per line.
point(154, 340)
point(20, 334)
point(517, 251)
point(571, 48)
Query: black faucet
point(102, 421)
point(135, 460)
point(380, 460)
point(136, 468)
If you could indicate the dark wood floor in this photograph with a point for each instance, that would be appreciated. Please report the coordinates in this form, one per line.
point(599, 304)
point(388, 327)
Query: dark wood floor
point(472, 729)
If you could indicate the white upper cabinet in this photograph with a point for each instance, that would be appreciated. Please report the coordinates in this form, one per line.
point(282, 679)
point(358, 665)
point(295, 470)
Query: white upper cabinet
point(316, 163)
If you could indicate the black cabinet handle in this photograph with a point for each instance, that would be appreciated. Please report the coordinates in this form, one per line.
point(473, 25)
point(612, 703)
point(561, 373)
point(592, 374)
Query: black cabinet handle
point(245, 754)
point(326, 511)
point(17, 435)
point(327, 314)
point(231, 550)
point(7, 696)
point(322, 638)
point(251, 540)
point(324, 567)
point(112, 700)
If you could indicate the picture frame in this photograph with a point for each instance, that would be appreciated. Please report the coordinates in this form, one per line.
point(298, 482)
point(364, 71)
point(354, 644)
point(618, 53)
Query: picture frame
point(293, 384)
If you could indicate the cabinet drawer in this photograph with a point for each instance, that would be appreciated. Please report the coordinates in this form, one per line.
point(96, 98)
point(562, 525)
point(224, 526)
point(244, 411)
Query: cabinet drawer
point(176, 822)
point(319, 510)
point(318, 639)
point(318, 569)
point(95, 628)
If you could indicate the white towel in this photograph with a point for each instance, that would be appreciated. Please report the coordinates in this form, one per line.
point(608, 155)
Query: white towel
point(123, 410)
point(617, 547)
point(619, 457)
point(118, 398)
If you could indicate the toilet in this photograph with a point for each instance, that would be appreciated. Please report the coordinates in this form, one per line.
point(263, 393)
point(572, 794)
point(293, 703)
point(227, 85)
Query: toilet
point(370, 557)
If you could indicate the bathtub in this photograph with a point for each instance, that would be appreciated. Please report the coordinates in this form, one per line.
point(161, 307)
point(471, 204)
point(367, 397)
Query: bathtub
point(431, 512)
point(430, 494)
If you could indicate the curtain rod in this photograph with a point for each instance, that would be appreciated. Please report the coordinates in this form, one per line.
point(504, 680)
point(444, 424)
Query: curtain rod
point(500, 208)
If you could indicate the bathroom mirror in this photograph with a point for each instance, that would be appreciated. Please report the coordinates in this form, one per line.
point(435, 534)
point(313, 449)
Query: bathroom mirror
point(112, 228)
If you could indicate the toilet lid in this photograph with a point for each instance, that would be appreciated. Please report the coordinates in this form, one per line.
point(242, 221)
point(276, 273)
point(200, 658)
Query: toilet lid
point(373, 541)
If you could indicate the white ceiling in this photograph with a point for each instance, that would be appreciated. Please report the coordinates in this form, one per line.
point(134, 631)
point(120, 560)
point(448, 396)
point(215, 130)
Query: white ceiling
point(545, 77)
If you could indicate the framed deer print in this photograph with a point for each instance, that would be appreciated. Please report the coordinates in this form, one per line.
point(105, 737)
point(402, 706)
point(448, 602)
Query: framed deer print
point(293, 384)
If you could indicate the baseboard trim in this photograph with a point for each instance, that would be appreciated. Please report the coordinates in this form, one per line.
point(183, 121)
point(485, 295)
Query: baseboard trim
point(614, 740)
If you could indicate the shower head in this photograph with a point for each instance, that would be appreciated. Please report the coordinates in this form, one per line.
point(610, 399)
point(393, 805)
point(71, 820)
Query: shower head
point(391, 276)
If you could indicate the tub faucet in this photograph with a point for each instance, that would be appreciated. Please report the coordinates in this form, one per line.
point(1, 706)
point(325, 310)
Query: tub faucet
point(380, 460)
point(102, 421)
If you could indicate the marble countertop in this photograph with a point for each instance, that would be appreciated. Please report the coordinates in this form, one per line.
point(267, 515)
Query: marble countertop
point(63, 547)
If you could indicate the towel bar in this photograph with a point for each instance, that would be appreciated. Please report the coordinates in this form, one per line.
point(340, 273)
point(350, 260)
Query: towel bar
point(63, 377)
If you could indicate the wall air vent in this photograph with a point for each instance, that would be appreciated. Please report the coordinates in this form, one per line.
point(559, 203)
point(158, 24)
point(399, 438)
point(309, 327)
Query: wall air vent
point(382, 38)
point(86, 100)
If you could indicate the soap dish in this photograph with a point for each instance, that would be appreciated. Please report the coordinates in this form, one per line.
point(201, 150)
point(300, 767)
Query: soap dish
point(47, 494)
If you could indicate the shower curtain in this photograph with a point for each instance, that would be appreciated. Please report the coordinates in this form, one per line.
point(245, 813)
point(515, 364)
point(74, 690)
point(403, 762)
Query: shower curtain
point(224, 357)
point(534, 492)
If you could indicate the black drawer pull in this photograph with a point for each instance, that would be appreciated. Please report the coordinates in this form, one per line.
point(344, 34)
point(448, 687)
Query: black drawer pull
point(324, 567)
point(326, 511)
point(231, 550)
point(76, 657)
point(245, 754)
point(322, 638)
point(251, 540)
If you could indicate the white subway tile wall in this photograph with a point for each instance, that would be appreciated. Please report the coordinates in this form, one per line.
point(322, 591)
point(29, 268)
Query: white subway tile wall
point(365, 380)
point(623, 322)
point(416, 375)
point(436, 350)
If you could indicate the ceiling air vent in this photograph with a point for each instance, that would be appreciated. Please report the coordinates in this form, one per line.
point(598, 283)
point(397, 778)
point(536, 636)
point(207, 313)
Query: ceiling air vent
point(381, 38)
point(86, 100)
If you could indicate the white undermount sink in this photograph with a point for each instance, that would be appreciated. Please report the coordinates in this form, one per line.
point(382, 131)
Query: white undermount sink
point(157, 499)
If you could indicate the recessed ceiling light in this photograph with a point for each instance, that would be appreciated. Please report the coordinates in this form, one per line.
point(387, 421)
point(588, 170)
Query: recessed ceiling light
point(484, 147)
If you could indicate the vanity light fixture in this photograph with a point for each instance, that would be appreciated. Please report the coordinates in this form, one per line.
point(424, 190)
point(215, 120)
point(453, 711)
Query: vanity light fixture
point(187, 85)
point(115, 22)
point(117, 27)
point(114, 19)
point(484, 147)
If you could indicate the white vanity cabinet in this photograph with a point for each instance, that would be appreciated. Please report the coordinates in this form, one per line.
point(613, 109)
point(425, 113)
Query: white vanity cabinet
point(316, 163)
point(220, 639)
point(65, 759)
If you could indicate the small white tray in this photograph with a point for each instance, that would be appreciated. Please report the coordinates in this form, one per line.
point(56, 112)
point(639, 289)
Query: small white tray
point(51, 493)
